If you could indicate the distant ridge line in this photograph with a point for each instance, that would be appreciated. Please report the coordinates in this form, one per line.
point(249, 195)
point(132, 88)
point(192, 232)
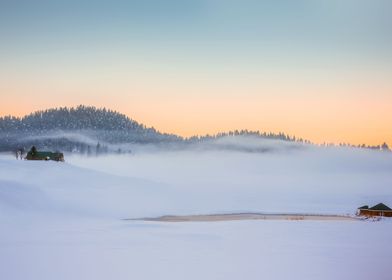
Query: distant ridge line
point(93, 120)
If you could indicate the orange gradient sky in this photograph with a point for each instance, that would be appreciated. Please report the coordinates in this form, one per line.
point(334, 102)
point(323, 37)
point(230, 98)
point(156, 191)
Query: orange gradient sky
point(342, 112)
point(321, 70)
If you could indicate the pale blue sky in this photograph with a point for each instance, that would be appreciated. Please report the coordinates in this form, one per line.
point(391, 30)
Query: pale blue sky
point(49, 25)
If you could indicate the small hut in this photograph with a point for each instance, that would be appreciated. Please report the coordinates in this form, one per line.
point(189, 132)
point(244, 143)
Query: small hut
point(362, 211)
point(33, 154)
point(378, 210)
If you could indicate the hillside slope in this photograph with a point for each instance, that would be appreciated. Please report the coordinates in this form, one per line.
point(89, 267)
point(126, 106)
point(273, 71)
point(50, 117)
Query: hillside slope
point(76, 129)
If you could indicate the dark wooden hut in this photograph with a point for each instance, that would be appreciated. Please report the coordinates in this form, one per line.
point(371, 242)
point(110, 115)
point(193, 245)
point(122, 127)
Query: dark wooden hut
point(378, 210)
point(33, 154)
point(362, 210)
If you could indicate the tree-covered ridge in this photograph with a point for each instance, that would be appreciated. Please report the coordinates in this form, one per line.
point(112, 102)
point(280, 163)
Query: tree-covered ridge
point(91, 119)
point(79, 118)
point(268, 135)
point(63, 128)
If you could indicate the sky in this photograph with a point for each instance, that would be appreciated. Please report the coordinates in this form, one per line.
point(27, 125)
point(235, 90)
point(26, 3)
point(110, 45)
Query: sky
point(317, 69)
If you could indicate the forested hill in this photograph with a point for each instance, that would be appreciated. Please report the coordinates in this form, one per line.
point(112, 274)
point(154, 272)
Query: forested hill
point(79, 118)
point(61, 128)
point(85, 128)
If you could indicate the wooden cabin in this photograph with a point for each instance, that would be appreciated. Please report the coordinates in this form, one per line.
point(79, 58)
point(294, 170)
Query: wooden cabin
point(379, 210)
point(33, 154)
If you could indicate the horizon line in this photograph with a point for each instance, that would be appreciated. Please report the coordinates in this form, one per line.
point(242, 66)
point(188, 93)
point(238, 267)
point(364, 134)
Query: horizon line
point(236, 132)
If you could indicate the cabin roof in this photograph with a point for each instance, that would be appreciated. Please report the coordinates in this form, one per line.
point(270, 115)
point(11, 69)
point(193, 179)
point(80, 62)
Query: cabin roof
point(45, 153)
point(380, 207)
point(364, 207)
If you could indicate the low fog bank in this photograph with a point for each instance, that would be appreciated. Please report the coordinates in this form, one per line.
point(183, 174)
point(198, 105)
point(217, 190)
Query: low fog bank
point(316, 180)
point(199, 179)
point(91, 143)
point(75, 137)
point(239, 143)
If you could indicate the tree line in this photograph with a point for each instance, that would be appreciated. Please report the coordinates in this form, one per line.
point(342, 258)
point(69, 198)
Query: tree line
point(49, 128)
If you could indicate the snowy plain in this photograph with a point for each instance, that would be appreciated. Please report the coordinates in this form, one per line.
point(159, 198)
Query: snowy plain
point(65, 220)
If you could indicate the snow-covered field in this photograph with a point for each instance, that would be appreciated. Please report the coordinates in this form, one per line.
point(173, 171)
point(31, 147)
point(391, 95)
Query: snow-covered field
point(64, 220)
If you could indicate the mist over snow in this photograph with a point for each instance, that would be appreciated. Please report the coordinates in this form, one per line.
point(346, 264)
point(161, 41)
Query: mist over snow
point(81, 137)
point(248, 144)
point(230, 174)
point(65, 220)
